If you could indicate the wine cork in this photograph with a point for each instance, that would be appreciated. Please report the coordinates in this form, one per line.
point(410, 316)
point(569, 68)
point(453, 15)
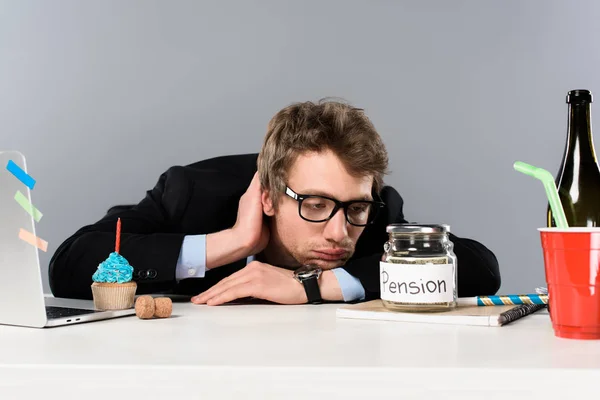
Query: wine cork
point(163, 307)
point(144, 307)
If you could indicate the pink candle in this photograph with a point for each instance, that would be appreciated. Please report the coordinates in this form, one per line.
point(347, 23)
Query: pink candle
point(118, 240)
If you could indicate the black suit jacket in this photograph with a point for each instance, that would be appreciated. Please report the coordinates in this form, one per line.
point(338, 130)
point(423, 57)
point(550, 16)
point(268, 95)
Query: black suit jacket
point(203, 198)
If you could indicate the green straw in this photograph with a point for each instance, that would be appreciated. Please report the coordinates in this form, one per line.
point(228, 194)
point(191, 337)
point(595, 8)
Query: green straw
point(548, 181)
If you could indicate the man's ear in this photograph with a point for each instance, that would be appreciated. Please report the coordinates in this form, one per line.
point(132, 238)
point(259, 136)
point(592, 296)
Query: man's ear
point(267, 203)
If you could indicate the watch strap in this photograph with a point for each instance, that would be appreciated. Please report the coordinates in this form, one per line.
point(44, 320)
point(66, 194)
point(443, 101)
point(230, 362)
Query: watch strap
point(313, 293)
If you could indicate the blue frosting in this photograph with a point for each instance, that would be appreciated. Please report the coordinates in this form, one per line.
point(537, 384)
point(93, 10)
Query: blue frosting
point(115, 269)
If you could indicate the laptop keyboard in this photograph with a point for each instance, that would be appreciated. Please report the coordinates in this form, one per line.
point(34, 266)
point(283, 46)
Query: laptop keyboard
point(62, 312)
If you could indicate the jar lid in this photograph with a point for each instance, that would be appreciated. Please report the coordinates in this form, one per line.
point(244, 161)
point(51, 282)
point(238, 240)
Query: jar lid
point(418, 228)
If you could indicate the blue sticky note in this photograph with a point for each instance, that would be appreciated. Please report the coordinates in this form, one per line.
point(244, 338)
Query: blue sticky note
point(21, 175)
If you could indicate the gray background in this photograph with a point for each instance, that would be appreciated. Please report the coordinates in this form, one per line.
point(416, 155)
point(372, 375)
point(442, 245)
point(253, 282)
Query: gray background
point(103, 96)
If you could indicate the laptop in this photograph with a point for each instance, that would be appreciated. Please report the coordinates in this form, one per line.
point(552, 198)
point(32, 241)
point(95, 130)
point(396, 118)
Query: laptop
point(22, 299)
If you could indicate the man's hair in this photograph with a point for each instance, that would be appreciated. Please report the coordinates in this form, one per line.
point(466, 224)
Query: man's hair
point(327, 125)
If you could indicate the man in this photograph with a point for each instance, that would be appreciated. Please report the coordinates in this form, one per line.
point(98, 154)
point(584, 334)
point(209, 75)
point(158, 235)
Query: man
point(309, 225)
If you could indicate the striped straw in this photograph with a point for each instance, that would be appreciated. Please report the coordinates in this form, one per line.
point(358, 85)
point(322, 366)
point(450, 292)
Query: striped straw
point(512, 299)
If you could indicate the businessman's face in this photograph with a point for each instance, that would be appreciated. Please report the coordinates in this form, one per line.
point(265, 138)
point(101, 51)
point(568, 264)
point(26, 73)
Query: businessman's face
point(327, 244)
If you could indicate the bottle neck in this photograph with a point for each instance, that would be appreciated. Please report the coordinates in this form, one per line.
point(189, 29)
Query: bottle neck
point(580, 141)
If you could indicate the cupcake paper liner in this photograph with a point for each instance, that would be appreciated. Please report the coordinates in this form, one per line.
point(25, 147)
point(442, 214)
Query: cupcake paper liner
point(113, 296)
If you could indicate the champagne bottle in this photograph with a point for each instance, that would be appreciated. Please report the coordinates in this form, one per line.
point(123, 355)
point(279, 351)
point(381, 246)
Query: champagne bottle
point(578, 179)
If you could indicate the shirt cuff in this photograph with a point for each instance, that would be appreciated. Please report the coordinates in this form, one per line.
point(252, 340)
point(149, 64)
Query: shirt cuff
point(192, 258)
point(351, 287)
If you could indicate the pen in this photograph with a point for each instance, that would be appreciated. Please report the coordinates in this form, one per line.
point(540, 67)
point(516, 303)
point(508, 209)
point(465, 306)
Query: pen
point(503, 300)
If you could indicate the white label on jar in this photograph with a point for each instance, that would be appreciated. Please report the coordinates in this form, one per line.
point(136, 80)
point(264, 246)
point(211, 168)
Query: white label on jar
point(422, 283)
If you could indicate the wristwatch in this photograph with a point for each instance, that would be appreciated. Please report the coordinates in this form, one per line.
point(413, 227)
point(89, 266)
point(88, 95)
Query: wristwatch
point(308, 276)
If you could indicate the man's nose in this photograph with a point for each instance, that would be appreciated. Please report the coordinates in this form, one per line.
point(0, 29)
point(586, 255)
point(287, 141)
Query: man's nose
point(336, 228)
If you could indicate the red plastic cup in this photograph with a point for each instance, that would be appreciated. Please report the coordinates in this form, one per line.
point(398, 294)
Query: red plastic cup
point(572, 265)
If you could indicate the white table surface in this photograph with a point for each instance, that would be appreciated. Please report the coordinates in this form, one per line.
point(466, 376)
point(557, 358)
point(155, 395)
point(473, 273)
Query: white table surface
point(281, 352)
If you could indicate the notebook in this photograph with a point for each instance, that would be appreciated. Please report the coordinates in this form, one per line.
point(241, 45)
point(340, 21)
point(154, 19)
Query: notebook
point(462, 315)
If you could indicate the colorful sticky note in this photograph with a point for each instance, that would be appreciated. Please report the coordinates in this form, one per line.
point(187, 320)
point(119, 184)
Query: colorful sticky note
point(27, 206)
point(33, 240)
point(21, 175)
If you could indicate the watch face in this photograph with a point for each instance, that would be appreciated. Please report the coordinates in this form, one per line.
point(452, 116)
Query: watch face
point(307, 271)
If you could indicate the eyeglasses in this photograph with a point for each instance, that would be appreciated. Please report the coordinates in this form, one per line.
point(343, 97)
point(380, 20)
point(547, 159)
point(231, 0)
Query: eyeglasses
point(315, 208)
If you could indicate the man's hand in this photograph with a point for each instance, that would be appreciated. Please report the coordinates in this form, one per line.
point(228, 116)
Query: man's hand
point(249, 235)
point(250, 228)
point(258, 280)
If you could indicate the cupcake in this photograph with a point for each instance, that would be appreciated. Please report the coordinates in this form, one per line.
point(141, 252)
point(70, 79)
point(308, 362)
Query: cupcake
point(113, 288)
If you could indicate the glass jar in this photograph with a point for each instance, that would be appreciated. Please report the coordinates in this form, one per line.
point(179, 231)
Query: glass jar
point(418, 269)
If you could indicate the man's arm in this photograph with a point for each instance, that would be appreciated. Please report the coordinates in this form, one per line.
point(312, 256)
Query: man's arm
point(351, 288)
point(192, 258)
point(267, 282)
point(152, 242)
point(335, 285)
point(478, 271)
point(195, 258)
point(145, 242)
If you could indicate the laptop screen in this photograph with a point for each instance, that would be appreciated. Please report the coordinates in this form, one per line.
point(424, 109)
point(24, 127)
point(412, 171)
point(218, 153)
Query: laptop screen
point(21, 292)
